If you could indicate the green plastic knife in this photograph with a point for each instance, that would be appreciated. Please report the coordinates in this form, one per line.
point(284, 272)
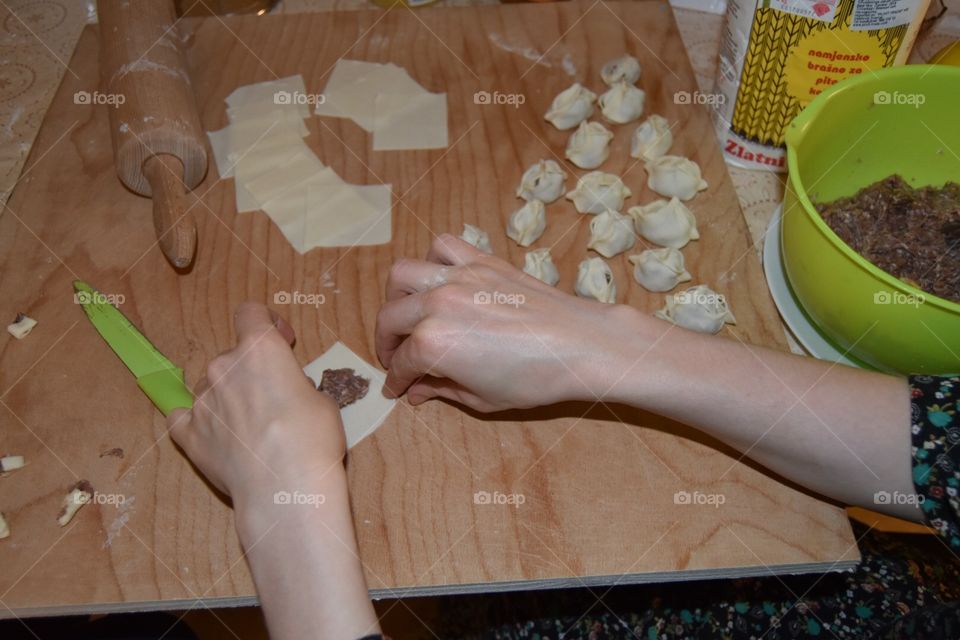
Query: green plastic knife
point(159, 378)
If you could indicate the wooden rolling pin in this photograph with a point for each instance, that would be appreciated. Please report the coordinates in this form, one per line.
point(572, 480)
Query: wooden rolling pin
point(158, 143)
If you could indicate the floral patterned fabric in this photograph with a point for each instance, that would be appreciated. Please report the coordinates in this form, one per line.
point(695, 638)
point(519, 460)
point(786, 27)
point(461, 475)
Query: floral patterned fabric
point(907, 586)
point(936, 463)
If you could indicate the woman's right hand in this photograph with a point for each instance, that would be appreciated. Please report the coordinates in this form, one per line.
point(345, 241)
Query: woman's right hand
point(470, 327)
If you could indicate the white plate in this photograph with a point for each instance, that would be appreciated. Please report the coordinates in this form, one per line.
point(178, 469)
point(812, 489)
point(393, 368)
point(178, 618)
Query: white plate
point(805, 331)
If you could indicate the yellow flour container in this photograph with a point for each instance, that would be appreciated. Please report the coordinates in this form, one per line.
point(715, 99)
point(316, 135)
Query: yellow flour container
point(778, 55)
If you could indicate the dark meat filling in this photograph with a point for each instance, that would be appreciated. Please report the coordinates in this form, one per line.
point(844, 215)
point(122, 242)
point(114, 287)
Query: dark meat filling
point(913, 234)
point(344, 386)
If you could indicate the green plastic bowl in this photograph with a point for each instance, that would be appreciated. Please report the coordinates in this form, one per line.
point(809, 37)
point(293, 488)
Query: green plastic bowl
point(903, 120)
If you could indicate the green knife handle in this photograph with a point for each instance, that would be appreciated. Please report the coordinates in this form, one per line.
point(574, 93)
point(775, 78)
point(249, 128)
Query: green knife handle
point(166, 390)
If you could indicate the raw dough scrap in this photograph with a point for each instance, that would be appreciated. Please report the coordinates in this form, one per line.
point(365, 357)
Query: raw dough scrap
point(363, 417)
point(410, 121)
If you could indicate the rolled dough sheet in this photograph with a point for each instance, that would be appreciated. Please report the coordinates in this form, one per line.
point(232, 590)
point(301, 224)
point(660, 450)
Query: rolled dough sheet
point(225, 155)
point(234, 141)
point(260, 109)
point(365, 416)
point(255, 163)
point(264, 131)
point(289, 209)
point(220, 145)
point(347, 216)
point(263, 93)
point(410, 121)
point(245, 201)
point(354, 85)
point(268, 122)
point(301, 166)
point(288, 212)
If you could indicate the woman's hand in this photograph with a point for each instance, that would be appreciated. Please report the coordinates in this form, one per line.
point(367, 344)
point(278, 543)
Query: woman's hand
point(469, 327)
point(258, 425)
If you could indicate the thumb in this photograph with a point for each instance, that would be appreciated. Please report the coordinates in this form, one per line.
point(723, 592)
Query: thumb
point(252, 320)
point(178, 425)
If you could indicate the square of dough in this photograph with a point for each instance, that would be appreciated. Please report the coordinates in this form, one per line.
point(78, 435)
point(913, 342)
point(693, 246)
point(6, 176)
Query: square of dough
point(354, 85)
point(236, 140)
point(270, 121)
point(298, 168)
point(245, 201)
point(348, 215)
point(289, 209)
point(254, 111)
point(364, 416)
point(254, 163)
point(288, 212)
point(410, 121)
point(220, 145)
point(262, 93)
point(263, 131)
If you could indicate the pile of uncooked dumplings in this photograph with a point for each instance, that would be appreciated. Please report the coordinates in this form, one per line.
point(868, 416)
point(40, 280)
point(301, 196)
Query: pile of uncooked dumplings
point(666, 222)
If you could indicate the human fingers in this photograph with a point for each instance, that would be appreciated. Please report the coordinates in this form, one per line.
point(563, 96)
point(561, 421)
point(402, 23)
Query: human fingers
point(252, 321)
point(414, 276)
point(395, 321)
point(450, 250)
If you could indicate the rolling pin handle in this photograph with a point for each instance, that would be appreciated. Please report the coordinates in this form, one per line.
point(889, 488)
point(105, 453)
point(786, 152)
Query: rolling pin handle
point(174, 224)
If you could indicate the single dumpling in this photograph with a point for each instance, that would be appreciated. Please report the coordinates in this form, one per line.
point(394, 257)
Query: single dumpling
point(659, 269)
point(652, 138)
point(675, 177)
point(595, 280)
point(477, 237)
point(527, 223)
point(572, 106)
point(699, 308)
point(589, 145)
point(539, 264)
point(668, 223)
point(542, 181)
point(622, 103)
point(598, 191)
point(611, 233)
point(623, 69)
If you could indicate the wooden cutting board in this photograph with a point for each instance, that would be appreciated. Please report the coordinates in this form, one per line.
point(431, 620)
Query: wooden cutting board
point(598, 481)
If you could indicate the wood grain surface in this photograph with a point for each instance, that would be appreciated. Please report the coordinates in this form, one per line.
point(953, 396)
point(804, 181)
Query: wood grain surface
point(598, 482)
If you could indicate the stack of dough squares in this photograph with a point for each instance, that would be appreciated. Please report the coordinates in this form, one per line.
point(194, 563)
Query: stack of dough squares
point(384, 100)
point(275, 171)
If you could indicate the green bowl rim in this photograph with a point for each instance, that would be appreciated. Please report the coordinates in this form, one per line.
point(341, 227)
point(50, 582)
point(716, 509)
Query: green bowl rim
point(819, 103)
